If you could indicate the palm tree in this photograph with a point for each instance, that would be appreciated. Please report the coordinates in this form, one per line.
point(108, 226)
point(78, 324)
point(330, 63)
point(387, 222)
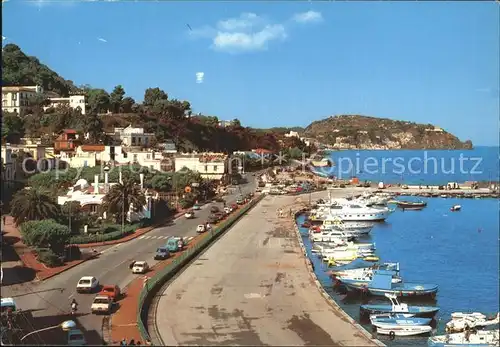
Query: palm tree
point(120, 197)
point(31, 204)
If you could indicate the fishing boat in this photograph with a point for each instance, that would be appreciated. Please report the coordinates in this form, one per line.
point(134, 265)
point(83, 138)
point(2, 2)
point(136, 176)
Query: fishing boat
point(344, 271)
point(399, 319)
point(455, 208)
point(339, 262)
point(404, 330)
point(366, 277)
point(399, 307)
point(367, 269)
point(463, 321)
point(382, 284)
point(469, 338)
point(411, 205)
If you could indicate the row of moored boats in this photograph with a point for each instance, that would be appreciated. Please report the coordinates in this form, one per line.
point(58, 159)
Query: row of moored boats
point(335, 227)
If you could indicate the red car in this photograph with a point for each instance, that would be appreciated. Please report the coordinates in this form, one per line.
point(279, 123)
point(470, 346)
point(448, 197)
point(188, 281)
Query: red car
point(112, 291)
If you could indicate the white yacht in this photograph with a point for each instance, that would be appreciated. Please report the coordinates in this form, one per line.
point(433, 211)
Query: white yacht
point(357, 212)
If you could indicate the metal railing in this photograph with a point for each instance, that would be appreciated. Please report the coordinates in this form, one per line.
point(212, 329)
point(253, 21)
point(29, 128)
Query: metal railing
point(156, 282)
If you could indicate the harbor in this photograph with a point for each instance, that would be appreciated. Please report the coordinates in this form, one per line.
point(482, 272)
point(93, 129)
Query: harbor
point(437, 249)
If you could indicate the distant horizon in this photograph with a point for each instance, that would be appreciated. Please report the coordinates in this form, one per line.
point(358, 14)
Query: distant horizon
point(267, 63)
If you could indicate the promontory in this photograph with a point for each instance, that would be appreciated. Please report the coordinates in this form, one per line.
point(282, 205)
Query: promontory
point(363, 132)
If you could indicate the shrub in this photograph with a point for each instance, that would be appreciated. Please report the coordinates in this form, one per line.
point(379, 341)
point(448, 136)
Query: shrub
point(49, 258)
point(110, 233)
point(73, 253)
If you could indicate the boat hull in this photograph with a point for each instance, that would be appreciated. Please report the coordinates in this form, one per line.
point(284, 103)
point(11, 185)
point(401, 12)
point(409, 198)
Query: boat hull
point(405, 330)
point(417, 311)
point(390, 322)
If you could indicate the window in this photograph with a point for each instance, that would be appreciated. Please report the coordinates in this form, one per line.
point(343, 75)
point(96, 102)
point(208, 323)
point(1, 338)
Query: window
point(139, 139)
point(148, 156)
point(14, 96)
point(133, 140)
point(215, 168)
point(125, 155)
point(4, 102)
point(206, 168)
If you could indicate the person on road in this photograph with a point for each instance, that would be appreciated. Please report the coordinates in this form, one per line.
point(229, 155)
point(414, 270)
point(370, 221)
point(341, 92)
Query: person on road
point(74, 306)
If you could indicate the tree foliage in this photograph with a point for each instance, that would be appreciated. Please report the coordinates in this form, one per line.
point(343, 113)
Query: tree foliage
point(45, 234)
point(123, 197)
point(30, 204)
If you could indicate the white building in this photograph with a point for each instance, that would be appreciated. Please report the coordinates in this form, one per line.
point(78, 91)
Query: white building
point(16, 99)
point(91, 197)
point(209, 165)
point(92, 155)
point(292, 134)
point(73, 101)
point(131, 136)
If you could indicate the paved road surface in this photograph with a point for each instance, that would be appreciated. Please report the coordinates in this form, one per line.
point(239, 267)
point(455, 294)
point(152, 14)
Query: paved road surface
point(252, 288)
point(53, 297)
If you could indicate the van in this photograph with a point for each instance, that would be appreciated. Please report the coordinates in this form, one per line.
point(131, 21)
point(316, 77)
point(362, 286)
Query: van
point(173, 245)
point(162, 253)
point(8, 303)
point(76, 338)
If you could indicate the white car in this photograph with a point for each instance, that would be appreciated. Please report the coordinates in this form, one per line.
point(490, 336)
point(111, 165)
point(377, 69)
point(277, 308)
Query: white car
point(87, 284)
point(140, 267)
point(201, 229)
point(189, 215)
point(228, 210)
point(102, 304)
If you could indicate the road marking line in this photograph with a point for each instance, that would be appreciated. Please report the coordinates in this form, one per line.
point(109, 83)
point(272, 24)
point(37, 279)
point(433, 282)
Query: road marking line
point(141, 237)
point(69, 297)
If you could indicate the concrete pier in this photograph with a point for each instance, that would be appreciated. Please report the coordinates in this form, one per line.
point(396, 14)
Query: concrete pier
point(252, 287)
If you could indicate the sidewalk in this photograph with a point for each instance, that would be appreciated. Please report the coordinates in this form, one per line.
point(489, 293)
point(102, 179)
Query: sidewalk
point(124, 321)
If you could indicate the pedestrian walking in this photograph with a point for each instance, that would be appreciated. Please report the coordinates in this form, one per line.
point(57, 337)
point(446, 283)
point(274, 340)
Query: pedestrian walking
point(131, 343)
point(138, 343)
point(123, 342)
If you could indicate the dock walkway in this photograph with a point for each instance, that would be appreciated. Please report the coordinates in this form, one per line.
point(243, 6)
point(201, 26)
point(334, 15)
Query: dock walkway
point(252, 287)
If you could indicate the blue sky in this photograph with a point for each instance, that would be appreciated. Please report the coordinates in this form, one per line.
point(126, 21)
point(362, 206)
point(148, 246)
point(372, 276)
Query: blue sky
point(281, 63)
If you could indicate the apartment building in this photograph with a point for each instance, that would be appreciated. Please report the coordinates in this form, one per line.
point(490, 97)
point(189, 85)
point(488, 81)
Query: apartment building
point(130, 136)
point(73, 101)
point(16, 99)
point(210, 165)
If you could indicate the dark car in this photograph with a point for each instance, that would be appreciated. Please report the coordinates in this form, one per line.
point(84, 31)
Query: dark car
point(214, 209)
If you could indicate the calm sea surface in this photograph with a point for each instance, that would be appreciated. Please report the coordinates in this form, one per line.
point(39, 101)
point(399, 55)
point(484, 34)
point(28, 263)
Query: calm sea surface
point(459, 251)
point(432, 167)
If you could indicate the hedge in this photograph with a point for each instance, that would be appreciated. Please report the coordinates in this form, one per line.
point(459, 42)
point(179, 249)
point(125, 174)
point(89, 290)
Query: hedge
point(109, 236)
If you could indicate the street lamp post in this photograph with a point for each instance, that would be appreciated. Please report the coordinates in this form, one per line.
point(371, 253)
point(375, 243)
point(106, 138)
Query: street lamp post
point(66, 326)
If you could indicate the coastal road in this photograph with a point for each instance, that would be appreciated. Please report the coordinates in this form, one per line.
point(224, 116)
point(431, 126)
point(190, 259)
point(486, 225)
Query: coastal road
point(53, 296)
point(252, 287)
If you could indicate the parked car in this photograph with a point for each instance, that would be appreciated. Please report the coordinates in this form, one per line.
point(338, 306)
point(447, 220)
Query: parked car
point(189, 214)
point(76, 338)
point(196, 207)
point(214, 209)
point(113, 291)
point(102, 304)
point(140, 267)
point(234, 207)
point(8, 303)
point(201, 228)
point(87, 284)
point(162, 253)
point(228, 210)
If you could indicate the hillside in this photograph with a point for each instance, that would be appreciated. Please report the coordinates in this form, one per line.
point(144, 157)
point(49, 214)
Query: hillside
point(354, 131)
point(18, 69)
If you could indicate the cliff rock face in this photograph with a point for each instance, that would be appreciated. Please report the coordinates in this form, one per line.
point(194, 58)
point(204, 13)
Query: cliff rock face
point(362, 132)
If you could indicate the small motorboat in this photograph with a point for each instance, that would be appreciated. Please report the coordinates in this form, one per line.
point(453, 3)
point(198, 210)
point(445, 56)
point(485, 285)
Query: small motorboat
point(455, 208)
point(478, 338)
point(411, 205)
point(404, 330)
point(463, 321)
point(382, 284)
point(396, 307)
point(400, 319)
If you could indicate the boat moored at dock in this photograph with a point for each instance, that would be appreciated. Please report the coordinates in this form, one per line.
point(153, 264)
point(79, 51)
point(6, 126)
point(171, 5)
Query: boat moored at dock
point(463, 321)
point(469, 338)
point(382, 284)
point(399, 307)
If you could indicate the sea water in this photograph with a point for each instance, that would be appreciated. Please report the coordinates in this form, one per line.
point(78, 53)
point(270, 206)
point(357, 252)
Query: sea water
point(414, 167)
point(459, 251)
